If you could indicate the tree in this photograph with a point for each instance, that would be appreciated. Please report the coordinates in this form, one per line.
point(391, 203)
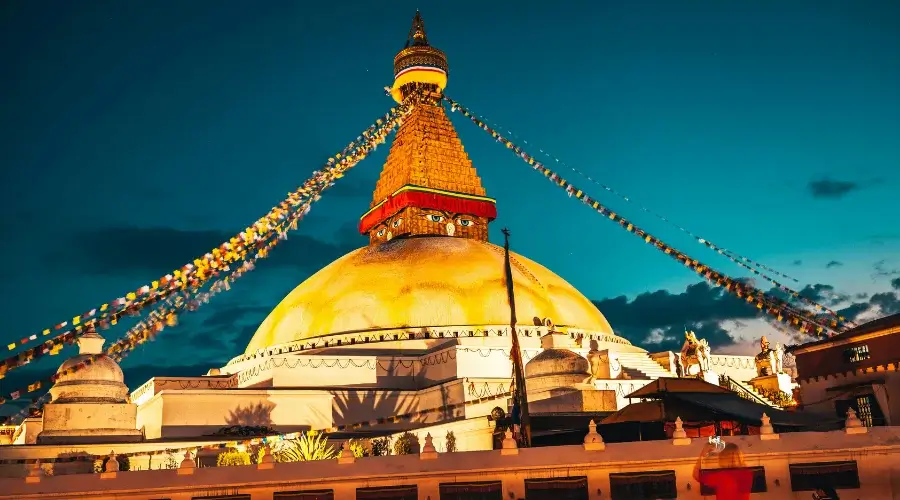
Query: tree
point(451, 442)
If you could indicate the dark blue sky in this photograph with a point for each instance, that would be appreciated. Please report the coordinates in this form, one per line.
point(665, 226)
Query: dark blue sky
point(137, 135)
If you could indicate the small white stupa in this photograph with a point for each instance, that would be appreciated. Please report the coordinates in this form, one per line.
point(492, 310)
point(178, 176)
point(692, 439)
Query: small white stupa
point(91, 404)
point(557, 379)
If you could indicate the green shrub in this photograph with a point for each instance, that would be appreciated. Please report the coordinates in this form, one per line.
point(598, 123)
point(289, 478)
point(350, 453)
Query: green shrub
point(406, 444)
point(358, 448)
point(232, 457)
point(381, 447)
point(309, 446)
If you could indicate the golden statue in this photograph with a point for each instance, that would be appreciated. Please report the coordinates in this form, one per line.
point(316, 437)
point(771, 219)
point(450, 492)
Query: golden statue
point(694, 352)
point(769, 361)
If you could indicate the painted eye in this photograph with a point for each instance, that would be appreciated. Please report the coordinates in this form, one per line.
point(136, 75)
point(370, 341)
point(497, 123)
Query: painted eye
point(434, 217)
point(466, 222)
point(381, 232)
point(397, 223)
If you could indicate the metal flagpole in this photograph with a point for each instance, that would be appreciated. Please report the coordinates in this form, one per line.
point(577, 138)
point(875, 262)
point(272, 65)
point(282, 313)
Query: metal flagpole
point(520, 397)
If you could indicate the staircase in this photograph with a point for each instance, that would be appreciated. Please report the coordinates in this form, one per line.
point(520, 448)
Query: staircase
point(746, 391)
point(639, 365)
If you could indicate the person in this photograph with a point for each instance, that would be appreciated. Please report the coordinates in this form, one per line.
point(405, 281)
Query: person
point(732, 480)
point(825, 492)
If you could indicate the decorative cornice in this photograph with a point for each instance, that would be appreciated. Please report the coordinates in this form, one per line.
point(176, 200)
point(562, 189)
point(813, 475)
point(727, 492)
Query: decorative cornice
point(841, 341)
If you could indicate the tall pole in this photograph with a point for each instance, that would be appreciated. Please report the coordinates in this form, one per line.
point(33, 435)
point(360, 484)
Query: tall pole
point(520, 396)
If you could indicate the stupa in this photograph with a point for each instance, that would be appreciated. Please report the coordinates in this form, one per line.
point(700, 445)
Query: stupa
point(417, 319)
point(90, 404)
point(428, 263)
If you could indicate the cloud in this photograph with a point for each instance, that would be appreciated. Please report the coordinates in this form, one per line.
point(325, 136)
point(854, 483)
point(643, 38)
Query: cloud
point(883, 271)
point(833, 263)
point(657, 320)
point(821, 293)
point(831, 189)
point(156, 251)
point(699, 307)
point(798, 262)
point(895, 283)
point(887, 302)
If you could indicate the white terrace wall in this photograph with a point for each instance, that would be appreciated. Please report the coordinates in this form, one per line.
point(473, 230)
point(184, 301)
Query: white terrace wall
point(742, 368)
point(877, 454)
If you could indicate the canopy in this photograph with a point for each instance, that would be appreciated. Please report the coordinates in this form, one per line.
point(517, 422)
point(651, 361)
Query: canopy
point(667, 385)
point(700, 406)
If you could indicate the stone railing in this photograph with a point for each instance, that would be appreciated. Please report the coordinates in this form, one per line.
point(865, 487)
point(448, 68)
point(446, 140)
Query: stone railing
point(593, 466)
point(157, 384)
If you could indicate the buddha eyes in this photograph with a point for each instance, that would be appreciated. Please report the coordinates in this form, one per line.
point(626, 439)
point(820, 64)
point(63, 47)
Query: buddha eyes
point(381, 232)
point(466, 222)
point(397, 223)
point(434, 217)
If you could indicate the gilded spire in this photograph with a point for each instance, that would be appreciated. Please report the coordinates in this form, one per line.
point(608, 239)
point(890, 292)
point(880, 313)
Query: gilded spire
point(417, 36)
point(428, 186)
point(418, 66)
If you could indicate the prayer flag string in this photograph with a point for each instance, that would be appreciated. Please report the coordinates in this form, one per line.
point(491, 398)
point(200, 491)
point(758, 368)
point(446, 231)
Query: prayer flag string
point(800, 320)
point(275, 223)
point(263, 246)
point(734, 257)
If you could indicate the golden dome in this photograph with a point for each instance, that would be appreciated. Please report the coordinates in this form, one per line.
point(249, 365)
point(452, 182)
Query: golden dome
point(423, 282)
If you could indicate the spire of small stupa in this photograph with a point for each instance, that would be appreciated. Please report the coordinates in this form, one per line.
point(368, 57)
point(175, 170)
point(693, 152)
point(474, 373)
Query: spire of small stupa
point(91, 343)
point(428, 186)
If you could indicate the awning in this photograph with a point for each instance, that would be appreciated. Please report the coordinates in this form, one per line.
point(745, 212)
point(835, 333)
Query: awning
point(648, 411)
point(710, 406)
point(667, 385)
point(750, 412)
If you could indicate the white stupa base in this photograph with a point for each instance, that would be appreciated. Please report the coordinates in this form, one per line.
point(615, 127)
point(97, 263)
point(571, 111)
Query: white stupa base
point(87, 423)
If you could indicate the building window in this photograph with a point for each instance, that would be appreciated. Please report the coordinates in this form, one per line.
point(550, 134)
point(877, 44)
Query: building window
point(866, 407)
point(868, 410)
point(304, 495)
point(557, 488)
point(388, 493)
point(838, 475)
point(481, 490)
point(759, 481)
point(650, 485)
point(224, 497)
point(857, 353)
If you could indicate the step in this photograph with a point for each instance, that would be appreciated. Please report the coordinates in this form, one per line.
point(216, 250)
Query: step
point(749, 388)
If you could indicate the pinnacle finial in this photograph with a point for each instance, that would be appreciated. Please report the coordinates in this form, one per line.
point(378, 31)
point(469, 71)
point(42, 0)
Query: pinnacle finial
point(417, 35)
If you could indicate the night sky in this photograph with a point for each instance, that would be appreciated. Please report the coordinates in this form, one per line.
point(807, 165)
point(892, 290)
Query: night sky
point(139, 135)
